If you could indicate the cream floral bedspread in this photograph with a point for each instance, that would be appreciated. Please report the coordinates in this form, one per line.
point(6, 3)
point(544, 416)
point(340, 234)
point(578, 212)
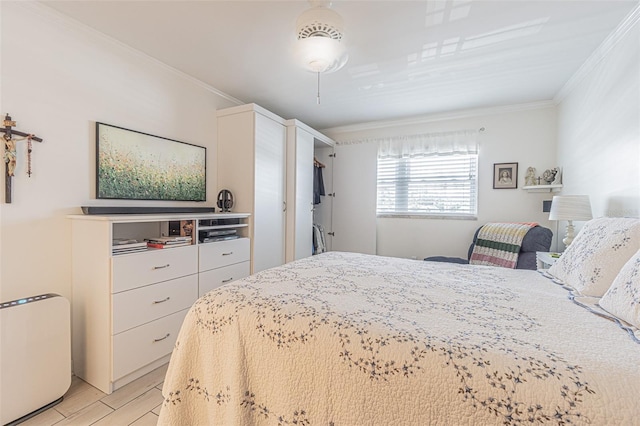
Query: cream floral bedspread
point(353, 339)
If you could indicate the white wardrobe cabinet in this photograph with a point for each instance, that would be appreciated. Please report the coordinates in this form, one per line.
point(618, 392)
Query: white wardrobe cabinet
point(299, 193)
point(251, 164)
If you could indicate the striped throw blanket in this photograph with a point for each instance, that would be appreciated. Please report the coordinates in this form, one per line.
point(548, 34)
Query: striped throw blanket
point(498, 244)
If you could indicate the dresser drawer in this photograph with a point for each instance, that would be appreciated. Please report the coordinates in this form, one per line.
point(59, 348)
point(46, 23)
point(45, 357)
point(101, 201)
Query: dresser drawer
point(223, 253)
point(216, 277)
point(149, 267)
point(142, 345)
point(141, 305)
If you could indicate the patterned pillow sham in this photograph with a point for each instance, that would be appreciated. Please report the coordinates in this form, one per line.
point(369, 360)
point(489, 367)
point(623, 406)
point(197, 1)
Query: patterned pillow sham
point(623, 298)
point(599, 251)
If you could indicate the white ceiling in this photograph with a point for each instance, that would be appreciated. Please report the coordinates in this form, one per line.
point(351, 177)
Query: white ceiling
point(406, 58)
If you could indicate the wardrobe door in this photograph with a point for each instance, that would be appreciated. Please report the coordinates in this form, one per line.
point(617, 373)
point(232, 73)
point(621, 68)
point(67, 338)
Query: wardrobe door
point(303, 195)
point(354, 206)
point(269, 204)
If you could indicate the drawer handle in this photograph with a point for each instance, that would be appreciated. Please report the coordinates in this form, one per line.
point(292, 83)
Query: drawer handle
point(227, 254)
point(162, 338)
point(229, 280)
point(161, 301)
point(161, 267)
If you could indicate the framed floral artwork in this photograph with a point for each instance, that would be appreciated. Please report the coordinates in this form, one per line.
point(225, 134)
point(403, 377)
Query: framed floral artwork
point(505, 175)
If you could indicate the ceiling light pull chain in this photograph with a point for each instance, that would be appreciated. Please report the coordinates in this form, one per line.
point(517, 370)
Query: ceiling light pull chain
point(318, 98)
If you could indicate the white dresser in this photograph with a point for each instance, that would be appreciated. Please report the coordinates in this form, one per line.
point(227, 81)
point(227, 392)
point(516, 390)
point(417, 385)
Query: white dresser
point(223, 262)
point(127, 309)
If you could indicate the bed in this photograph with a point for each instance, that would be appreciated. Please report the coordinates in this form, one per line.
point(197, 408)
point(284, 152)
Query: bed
point(354, 339)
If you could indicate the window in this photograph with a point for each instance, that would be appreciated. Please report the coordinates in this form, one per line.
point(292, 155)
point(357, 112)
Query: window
point(429, 185)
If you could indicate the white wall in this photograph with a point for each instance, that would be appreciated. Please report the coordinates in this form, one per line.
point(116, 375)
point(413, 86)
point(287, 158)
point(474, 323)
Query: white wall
point(599, 129)
point(593, 134)
point(58, 78)
point(525, 134)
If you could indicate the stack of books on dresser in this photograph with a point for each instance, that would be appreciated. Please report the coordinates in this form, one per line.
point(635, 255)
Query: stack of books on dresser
point(127, 245)
point(168, 242)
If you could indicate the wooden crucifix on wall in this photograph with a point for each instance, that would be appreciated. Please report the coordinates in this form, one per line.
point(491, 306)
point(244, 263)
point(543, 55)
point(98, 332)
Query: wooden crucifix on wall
point(10, 153)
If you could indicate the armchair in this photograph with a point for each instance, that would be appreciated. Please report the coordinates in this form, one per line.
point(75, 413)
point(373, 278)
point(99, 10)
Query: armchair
point(537, 239)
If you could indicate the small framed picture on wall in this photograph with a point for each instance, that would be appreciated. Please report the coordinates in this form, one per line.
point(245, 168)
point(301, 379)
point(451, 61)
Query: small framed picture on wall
point(505, 175)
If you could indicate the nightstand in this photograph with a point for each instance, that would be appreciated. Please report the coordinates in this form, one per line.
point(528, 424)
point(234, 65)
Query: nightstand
point(545, 259)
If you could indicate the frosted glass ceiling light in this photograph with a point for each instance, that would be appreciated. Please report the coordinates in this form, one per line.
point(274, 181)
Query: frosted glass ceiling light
point(320, 40)
point(321, 54)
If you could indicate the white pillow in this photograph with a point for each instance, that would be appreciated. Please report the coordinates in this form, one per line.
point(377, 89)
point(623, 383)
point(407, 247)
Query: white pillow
point(599, 251)
point(623, 298)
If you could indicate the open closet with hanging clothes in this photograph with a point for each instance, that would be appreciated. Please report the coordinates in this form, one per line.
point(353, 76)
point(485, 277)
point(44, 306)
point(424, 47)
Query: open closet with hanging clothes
point(309, 196)
point(318, 181)
point(318, 237)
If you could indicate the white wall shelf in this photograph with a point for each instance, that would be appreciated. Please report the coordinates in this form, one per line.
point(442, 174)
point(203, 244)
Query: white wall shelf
point(542, 188)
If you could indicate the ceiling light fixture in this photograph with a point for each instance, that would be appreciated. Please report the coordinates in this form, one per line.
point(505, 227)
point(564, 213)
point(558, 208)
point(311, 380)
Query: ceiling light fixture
point(320, 40)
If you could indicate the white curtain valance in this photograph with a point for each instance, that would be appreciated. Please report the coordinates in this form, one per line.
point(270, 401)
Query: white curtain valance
point(458, 142)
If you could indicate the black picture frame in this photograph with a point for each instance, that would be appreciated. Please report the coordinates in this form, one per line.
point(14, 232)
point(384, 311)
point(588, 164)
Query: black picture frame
point(505, 175)
point(132, 165)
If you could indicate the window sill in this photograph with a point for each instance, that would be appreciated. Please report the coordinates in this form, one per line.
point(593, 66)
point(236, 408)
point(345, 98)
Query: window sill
point(425, 216)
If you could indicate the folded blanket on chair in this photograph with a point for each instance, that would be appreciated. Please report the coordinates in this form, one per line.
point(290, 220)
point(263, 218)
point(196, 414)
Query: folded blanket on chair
point(498, 244)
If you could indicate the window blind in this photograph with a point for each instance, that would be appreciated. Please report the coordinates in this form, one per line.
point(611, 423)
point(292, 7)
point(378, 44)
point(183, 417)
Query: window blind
point(439, 185)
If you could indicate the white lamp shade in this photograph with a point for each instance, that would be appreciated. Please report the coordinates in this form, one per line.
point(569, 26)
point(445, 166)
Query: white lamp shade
point(570, 207)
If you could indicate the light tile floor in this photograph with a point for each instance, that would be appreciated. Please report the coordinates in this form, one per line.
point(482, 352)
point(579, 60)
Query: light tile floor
point(136, 404)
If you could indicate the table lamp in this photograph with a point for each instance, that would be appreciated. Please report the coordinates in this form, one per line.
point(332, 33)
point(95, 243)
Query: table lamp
point(570, 208)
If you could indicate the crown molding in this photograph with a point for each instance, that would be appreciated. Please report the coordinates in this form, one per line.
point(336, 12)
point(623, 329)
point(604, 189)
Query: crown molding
point(62, 20)
point(599, 54)
point(476, 112)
